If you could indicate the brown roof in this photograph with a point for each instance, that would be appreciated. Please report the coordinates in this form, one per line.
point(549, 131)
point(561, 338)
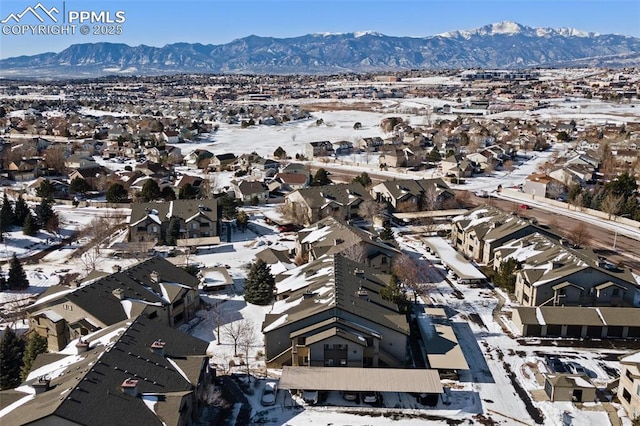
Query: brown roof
point(359, 379)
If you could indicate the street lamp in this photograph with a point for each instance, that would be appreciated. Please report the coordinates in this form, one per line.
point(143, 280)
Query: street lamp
point(615, 235)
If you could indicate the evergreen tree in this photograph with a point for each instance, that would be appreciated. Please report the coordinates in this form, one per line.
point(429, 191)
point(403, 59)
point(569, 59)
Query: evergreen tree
point(396, 294)
point(259, 285)
point(116, 193)
point(7, 216)
point(150, 191)
point(173, 231)
point(30, 227)
point(168, 194)
point(44, 212)
point(363, 179)
point(229, 206)
point(46, 189)
point(17, 277)
point(3, 281)
point(79, 185)
point(434, 155)
point(321, 178)
point(387, 234)
point(36, 345)
point(11, 348)
point(21, 211)
point(506, 277)
point(188, 192)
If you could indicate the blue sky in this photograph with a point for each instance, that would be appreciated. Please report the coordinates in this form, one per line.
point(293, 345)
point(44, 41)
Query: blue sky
point(159, 22)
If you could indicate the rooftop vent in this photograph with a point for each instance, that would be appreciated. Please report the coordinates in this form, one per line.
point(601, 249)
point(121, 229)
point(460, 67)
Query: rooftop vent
point(358, 272)
point(158, 347)
point(130, 387)
point(41, 385)
point(155, 276)
point(118, 293)
point(82, 346)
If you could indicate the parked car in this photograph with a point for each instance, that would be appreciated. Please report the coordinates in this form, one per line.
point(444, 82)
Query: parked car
point(350, 395)
point(525, 206)
point(310, 396)
point(269, 393)
point(575, 368)
point(370, 397)
point(555, 364)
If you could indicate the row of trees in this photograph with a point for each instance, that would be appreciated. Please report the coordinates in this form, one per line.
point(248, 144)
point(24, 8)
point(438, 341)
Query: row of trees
point(616, 198)
point(17, 356)
point(43, 216)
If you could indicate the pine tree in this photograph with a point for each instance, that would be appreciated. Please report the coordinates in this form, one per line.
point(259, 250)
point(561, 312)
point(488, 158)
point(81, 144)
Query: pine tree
point(21, 211)
point(36, 345)
point(17, 277)
point(259, 285)
point(321, 178)
point(44, 212)
point(506, 277)
point(116, 193)
point(30, 227)
point(150, 191)
point(187, 192)
point(387, 234)
point(173, 231)
point(11, 348)
point(7, 216)
point(3, 281)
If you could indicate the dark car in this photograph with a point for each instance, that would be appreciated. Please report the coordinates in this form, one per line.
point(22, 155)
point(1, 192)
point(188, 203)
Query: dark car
point(555, 364)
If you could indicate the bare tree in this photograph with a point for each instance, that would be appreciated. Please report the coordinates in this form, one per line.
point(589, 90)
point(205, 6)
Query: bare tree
point(293, 212)
point(54, 158)
point(555, 189)
point(509, 166)
point(579, 235)
point(369, 209)
point(238, 332)
point(429, 200)
point(247, 340)
point(612, 204)
point(406, 269)
point(356, 252)
point(208, 186)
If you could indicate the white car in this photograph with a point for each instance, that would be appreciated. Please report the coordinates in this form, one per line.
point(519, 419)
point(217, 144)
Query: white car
point(269, 393)
point(310, 396)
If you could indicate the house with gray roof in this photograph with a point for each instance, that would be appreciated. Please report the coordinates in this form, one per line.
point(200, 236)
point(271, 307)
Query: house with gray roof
point(196, 219)
point(553, 274)
point(318, 149)
point(331, 235)
point(412, 192)
point(333, 316)
point(136, 372)
point(317, 202)
point(154, 288)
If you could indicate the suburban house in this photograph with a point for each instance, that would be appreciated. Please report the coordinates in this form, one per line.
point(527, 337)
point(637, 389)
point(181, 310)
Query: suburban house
point(318, 149)
point(196, 218)
point(221, 161)
point(342, 147)
point(278, 260)
point(334, 316)
point(317, 202)
point(480, 232)
point(92, 175)
point(76, 161)
point(629, 387)
point(457, 166)
point(291, 181)
point(551, 273)
point(371, 144)
point(137, 371)
point(541, 185)
point(171, 136)
point(246, 190)
point(26, 169)
point(154, 288)
point(413, 193)
point(331, 235)
point(193, 159)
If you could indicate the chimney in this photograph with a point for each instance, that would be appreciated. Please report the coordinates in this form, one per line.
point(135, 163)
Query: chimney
point(118, 293)
point(116, 268)
point(358, 272)
point(362, 293)
point(130, 387)
point(158, 347)
point(308, 294)
point(82, 346)
point(41, 385)
point(155, 277)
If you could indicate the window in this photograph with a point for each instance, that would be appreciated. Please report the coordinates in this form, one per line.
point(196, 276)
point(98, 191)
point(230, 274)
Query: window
point(616, 292)
point(328, 362)
point(343, 363)
point(154, 229)
point(328, 347)
point(626, 395)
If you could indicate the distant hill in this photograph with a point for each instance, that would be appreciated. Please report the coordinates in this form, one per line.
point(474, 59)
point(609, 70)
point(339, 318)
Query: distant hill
point(502, 45)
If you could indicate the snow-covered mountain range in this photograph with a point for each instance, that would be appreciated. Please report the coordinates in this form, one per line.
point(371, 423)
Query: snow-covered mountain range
point(501, 45)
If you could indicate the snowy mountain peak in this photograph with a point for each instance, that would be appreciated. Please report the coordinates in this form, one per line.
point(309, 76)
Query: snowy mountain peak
point(506, 27)
point(513, 28)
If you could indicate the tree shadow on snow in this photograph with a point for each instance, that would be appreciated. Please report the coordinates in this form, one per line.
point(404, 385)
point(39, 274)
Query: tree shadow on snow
point(479, 371)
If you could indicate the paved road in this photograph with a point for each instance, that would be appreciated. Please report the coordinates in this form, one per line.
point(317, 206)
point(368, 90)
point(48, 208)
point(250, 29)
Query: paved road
point(627, 249)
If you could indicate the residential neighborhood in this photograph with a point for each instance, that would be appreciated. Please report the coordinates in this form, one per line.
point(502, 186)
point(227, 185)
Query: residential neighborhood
point(450, 247)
